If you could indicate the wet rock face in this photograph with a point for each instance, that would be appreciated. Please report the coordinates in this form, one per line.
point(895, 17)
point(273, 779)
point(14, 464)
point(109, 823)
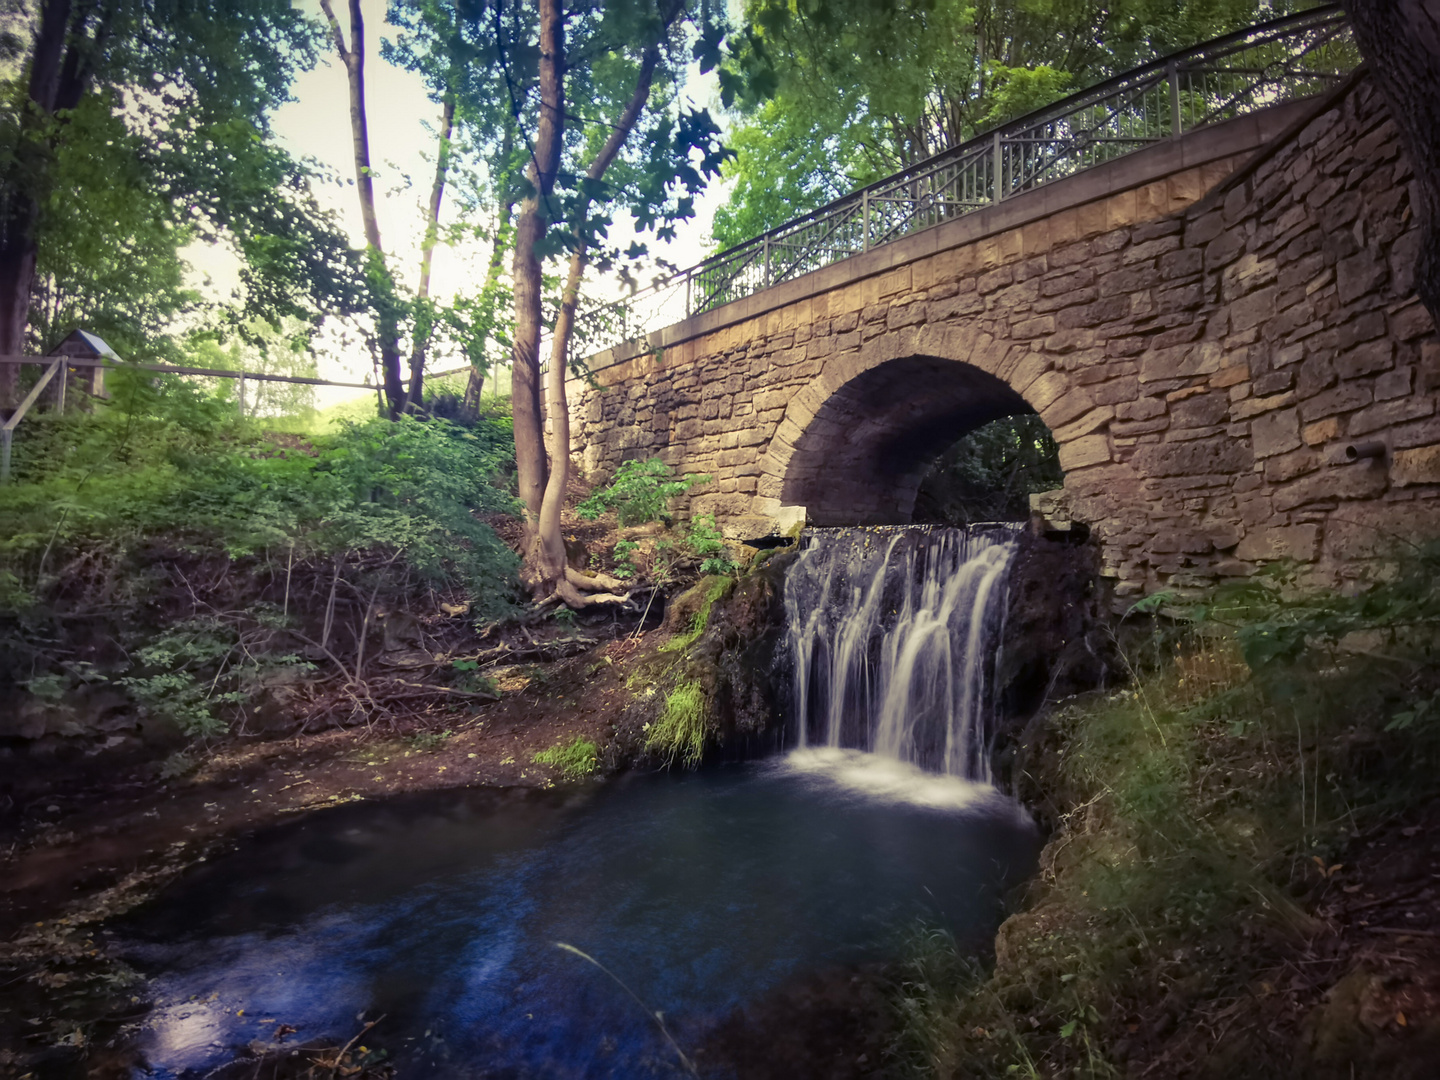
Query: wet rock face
point(742, 663)
point(1056, 640)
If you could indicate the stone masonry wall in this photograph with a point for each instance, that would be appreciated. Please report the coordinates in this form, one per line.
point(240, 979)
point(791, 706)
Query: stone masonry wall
point(1203, 346)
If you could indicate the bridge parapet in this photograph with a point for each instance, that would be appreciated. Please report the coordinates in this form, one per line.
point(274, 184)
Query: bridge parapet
point(1250, 71)
point(1203, 342)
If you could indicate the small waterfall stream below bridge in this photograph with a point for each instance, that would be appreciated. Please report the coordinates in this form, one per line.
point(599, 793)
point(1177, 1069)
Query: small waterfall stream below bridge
point(728, 897)
point(894, 632)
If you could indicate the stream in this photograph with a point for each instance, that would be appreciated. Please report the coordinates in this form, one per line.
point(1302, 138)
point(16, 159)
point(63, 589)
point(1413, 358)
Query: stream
point(694, 895)
point(701, 891)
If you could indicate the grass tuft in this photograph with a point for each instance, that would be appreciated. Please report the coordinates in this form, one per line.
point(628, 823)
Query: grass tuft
point(679, 733)
point(576, 759)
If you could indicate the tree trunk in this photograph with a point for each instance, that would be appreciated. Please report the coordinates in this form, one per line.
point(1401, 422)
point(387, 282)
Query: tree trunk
point(505, 215)
point(20, 209)
point(534, 219)
point(427, 253)
point(1400, 39)
point(547, 556)
point(381, 285)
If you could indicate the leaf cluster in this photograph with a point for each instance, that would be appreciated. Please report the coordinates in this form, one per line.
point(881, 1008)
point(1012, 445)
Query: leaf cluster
point(990, 474)
point(1278, 624)
point(160, 137)
point(640, 492)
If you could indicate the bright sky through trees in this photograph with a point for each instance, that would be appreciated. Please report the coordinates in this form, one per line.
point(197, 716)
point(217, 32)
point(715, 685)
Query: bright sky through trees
point(402, 138)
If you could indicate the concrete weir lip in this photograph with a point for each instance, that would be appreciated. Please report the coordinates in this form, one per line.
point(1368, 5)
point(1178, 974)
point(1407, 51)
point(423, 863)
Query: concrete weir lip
point(1197, 323)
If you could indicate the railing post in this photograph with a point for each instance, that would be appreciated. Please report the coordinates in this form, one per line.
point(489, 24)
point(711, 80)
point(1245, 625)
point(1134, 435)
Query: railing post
point(689, 279)
point(865, 220)
point(999, 192)
point(1173, 74)
point(766, 279)
point(240, 397)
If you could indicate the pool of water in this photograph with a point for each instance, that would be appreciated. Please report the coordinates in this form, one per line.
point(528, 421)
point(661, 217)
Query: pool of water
point(700, 892)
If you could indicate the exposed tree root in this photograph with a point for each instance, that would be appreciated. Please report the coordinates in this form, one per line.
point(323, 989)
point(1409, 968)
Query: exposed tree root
point(570, 595)
point(594, 582)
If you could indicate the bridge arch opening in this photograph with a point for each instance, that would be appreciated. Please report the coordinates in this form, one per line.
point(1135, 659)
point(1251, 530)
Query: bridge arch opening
point(879, 440)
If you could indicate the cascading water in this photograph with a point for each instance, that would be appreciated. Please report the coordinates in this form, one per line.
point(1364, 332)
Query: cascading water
point(893, 632)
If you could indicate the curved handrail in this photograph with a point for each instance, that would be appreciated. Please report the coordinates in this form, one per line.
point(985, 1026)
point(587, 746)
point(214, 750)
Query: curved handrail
point(1285, 59)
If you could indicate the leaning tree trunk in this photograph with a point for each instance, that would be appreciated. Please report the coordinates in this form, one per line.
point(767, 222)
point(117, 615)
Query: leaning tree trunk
point(381, 287)
point(534, 219)
point(475, 385)
point(421, 344)
point(546, 558)
point(1400, 39)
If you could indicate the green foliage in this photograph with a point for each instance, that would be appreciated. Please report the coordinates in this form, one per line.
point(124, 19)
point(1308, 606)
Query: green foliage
point(844, 92)
point(266, 350)
point(1279, 625)
point(425, 742)
point(660, 169)
point(990, 474)
point(639, 492)
point(161, 138)
point(704, 539)
point(621, 552)
point(576, 759)
point(472, 681)
point(189, 672)
point(163, 460)
point(679, 733)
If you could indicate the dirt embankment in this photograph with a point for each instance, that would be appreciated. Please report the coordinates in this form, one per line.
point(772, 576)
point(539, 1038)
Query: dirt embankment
point(88, 833)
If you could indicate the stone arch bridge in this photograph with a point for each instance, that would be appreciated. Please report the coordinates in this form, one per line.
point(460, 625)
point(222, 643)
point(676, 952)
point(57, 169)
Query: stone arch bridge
point(1220, 329)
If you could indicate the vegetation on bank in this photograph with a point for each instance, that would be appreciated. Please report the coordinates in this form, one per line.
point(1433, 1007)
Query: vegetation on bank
point(575, 759)
point(190, 562)
point(1200, 894)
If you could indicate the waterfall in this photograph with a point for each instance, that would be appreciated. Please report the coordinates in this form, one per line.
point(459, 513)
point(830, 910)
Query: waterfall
point(893, 632)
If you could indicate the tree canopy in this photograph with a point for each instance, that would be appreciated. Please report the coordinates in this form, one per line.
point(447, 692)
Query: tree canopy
point(129, 128)
point(838, 93)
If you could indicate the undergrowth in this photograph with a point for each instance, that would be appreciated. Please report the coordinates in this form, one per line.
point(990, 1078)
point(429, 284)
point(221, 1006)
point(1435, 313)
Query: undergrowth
point(576, 759)
point(679, 733)
point(1201, 809)
point(193, 562)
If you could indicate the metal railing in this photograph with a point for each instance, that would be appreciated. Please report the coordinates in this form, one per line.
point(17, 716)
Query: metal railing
point(1283, 60)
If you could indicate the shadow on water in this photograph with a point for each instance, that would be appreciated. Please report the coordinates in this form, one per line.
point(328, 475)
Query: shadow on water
point(704, 892)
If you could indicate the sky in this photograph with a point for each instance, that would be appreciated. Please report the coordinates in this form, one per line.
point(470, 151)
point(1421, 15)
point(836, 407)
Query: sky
point(402, 122)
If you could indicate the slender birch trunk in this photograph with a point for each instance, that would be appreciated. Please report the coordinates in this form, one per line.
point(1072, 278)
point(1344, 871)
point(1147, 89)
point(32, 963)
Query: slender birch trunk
point(387, 326)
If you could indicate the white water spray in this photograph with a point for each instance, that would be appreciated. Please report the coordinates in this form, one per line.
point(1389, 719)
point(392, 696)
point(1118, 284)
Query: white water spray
point(893, 632)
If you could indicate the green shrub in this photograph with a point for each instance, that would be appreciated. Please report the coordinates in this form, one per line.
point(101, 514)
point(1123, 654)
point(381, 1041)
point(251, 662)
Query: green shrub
point(704, 539)
point(621, 552)
point(161, 462)
point(640, 491)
